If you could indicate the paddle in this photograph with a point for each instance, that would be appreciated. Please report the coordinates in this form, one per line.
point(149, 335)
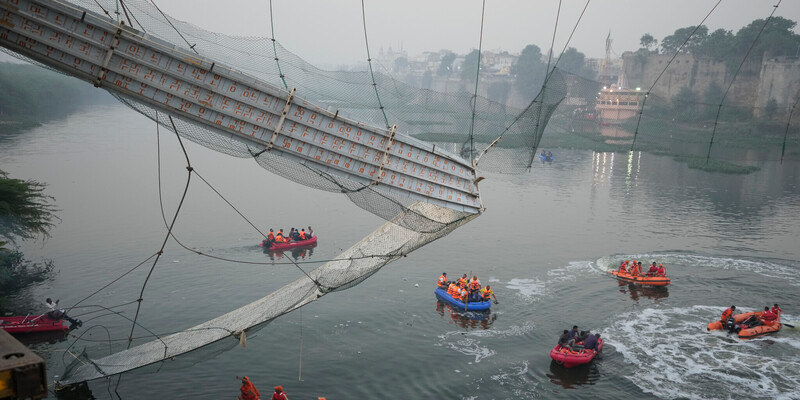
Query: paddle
point(789, 325)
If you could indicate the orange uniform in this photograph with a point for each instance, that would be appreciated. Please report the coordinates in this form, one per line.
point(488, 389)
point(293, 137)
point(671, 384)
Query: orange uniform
point(442, 280)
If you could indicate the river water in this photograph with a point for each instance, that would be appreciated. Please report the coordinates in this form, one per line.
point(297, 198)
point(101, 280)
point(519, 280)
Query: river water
point(543, 244)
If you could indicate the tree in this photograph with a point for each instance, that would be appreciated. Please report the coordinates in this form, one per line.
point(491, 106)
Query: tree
point(672, 43)
point(25, 211)
point(498, 91)
point(446, 66)
point(684, 104)
point(573, 61)
point(717, 46)
point(778, 39)
point(470, 67)
point(529, 71)
point(647, 41)
point(712, 97)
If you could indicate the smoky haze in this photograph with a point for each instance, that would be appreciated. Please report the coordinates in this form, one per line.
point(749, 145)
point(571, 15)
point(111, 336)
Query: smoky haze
point(330, 33)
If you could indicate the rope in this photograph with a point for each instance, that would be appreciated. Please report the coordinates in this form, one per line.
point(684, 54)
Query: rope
point(475, 95)
point(789, 122)
point(677, 51)
point(275, 47)
point(733, 79)
point(369, 61)
point(519, 116)
point(169, 232)
point(126, 11)
point(191, 46)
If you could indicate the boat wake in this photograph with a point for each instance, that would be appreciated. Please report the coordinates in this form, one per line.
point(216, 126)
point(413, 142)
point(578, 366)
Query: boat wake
point(673, 356)
point(469, 342)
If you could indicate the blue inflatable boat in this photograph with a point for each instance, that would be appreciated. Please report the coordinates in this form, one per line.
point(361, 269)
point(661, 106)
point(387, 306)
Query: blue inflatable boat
point(471, 306)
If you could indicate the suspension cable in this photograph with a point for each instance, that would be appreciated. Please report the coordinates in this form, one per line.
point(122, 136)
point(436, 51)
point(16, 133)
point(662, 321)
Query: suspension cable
point(369, 61)
point(191, 46)
point(275, 47)
point(789, 122)
point(475, 94)
point(733, 79)
point(167, 236)
point(677, 51)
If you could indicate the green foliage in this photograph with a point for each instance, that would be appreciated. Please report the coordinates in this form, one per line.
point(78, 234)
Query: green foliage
point(778, 39)
point(672, 43)
point(25, 211)
point(573, 61)
point(469, 69)
point(717, 46)
point(684, 104)
point(529, 71)
point(17, 273)
point(446, 66)
point(498, 91)
point(647, 41)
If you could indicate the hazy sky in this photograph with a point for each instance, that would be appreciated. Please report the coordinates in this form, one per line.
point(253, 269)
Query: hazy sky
point(330, 33)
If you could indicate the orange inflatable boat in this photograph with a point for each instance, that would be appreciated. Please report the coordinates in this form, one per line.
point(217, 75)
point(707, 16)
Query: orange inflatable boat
point(641, 279)
point(746, 332)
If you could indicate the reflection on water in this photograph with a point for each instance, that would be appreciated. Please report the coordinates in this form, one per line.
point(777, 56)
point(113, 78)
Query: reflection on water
point(298, 253)
point(571, 378)
point(466, 319)
point(637, 291)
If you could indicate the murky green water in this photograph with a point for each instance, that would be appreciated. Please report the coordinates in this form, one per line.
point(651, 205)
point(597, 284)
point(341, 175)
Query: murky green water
point(543, 244)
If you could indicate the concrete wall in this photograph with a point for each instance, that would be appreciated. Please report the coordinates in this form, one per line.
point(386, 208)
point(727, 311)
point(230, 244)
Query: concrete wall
point(754, 86)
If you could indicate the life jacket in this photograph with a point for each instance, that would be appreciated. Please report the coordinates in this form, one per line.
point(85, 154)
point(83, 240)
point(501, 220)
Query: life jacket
point(622, 269)
point(463, 295)
point(462, 281)
point(474, 285)
point(442, 280)
point(302, 235)
point(270, 236)
point(768, 318)
point(776, 311)
point(487, 294)
point(279, 237)
point(661, 271)
point(453, 290)
point(249, 391)
point(725, 315)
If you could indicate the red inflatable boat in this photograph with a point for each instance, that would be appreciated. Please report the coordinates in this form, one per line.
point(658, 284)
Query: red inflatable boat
point(31, 324)
point(570, 358)
point(289, 245)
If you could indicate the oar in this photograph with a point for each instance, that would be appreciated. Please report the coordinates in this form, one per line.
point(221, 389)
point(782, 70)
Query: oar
point(789, 325)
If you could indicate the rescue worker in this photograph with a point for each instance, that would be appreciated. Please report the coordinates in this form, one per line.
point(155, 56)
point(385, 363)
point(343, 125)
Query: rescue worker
point(623, 267)
point(487, 293)
point(279, 394)
point(653, 269)
point(58, 314)
point(768, 317)
point(636, 270)
point(303, 235)
point(728, 313)
point(463, 280)
point(249, 391)
point(661, 271)
point(295, 235)
point(279, 236)
point(564, 339)
point(453, 290)
point(475, 284)
point(442, 280)
point(776, 310)
point(462, 294)
point(271, 235)
point(574, 334)
point(591, 341)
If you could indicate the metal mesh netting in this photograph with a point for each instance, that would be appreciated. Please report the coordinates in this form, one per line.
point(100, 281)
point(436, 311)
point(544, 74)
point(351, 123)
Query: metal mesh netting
point(391, 239)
